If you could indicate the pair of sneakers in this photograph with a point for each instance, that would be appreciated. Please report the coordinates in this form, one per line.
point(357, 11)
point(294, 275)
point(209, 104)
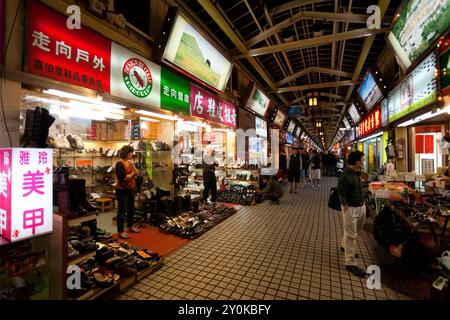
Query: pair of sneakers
point(125, 235)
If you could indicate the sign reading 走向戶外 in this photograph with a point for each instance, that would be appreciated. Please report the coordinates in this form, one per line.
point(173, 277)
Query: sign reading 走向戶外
point(79, 56)
point(175, 91)
point(418, 89)
point(207, 106)
point(280, 119)
point(26, 193)
point(370, 123)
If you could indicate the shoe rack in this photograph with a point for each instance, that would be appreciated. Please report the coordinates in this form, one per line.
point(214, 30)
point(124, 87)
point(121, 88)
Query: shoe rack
point(247, 176)
point(59, 262)
point(96, 167)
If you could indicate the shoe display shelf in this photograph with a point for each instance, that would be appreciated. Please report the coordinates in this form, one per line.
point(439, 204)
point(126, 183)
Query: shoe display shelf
point(59, 262)
point(242, 176)
point(95, 163)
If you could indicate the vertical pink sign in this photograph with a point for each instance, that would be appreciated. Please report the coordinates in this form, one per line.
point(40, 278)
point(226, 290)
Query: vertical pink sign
point(5, 192)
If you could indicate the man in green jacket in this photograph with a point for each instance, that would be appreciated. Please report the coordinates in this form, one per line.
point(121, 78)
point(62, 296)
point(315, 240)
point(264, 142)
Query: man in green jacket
point(273, 190)
point(353, 209)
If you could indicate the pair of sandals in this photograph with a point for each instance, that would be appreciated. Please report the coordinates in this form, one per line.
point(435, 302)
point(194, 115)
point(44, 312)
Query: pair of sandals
point(104, 277)
point(292, 191)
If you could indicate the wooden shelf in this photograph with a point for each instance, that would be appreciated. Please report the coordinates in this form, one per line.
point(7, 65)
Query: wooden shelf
point(97, 292)
point(83, 217)
point(81, 257)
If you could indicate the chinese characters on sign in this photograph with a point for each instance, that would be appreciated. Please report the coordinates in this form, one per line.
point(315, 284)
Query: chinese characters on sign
point(80, 57)
point(207, 106)
point(370, 123)
point(26, 193)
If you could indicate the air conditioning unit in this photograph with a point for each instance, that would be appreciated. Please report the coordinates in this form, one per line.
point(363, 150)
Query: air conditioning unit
point(97, 7)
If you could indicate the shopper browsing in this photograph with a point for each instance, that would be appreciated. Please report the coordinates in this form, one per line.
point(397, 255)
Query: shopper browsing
point(315, 169)
point(126, 174)
point(273, 190)
point(209, 176)
point(294, 170)
point(353, 209)
point(304, 169)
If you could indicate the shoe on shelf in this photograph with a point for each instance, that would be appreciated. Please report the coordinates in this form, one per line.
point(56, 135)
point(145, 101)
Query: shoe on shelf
point(356, 271)
point(72, 251)
point(124, 235)
point(343, 250)
point(134, 230)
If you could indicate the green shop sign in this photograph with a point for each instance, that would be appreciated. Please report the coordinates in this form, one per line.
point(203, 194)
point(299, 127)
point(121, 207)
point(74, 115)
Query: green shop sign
point(175, 92)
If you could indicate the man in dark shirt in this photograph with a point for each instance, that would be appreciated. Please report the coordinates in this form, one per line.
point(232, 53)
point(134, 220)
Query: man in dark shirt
point(315, 169)
point(209, 176)
point(353, 209)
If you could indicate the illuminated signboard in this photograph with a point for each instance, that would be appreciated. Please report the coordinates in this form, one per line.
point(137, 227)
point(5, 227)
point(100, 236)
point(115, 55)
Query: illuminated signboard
point(190, 51)
point(420, 23)
point(26, 193)
point(370, 123)
point(417, 90)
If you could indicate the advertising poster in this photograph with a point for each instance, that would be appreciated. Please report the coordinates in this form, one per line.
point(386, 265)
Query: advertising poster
point(190, 51)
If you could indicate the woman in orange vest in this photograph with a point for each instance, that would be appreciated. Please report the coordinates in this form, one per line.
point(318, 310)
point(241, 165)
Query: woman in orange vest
point(126, 174)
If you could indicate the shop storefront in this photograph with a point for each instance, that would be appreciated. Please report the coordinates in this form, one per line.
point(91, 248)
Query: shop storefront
point(370, 140)
point(95, 96)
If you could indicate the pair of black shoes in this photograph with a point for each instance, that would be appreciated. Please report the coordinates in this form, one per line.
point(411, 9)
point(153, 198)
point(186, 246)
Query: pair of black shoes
point(354, 269)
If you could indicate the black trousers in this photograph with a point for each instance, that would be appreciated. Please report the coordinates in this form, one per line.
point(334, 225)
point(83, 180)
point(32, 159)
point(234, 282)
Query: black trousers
point(210, 185)
point(272, 196)
point(125, 203)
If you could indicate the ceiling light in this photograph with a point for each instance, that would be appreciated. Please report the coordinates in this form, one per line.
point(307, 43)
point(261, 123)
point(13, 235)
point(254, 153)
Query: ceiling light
point(68, 95)
point(148, 119)
point(157, 115)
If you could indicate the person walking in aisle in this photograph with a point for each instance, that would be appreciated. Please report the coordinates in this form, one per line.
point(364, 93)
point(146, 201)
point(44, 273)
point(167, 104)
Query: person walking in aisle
point(209, 176)
point(294, 170)
point(353, 209)
point(309, 173)
point(282, 165)
point(126, 174)
point(304, 169)
point(315, 169)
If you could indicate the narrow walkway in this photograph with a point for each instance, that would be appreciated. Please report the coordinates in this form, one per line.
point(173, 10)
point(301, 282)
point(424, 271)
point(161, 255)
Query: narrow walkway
point(288, 251)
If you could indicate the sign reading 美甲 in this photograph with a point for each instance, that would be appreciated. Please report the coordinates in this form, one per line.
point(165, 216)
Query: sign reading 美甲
point(370, 123)
point(417, 90)
point(207, 106)
point(175, 91)
point(26, 193)
point(134, 78)
point(79, 56)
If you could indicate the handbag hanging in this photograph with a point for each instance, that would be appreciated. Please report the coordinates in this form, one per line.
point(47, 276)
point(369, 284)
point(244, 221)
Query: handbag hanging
point(334, 202)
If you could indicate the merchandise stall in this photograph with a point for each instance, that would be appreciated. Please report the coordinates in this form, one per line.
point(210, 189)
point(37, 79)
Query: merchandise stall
point(93, 97)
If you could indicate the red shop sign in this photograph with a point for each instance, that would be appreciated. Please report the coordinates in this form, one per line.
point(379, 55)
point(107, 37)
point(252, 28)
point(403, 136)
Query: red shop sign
point(428, 129)
point(370, 123)
point(80, 57)
point(207, 106)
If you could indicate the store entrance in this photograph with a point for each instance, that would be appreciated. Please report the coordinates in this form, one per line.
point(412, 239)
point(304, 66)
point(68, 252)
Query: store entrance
point(427, 156)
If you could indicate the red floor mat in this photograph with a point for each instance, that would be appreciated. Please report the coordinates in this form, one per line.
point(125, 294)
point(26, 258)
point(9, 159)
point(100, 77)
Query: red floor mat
point(155, 240)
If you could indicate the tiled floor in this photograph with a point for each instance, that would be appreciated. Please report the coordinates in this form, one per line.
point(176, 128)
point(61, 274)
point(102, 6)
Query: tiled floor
point(287, 251)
